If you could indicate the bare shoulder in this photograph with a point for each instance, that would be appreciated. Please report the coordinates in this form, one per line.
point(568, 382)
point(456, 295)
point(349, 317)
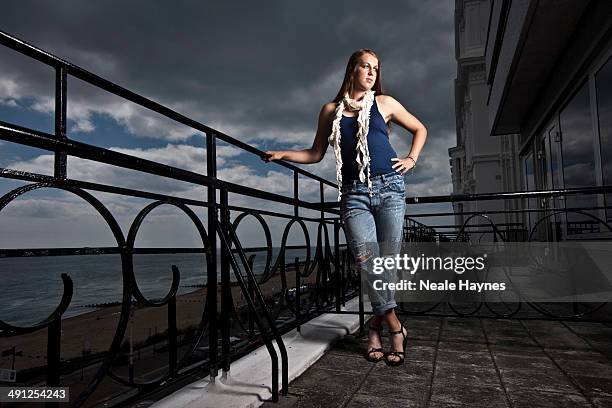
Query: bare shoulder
point(327, 111)
point(324, 126)
point(395, 112)
point(387, 105)
point(386, 101)
point(328, 107)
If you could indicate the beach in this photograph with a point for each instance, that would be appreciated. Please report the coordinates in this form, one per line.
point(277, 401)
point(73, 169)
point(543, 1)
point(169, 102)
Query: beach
point(91, 333)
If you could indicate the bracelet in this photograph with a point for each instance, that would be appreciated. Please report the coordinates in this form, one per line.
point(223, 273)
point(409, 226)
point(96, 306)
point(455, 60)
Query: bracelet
point(413, 161)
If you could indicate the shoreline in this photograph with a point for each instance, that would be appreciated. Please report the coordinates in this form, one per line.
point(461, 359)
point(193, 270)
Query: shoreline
point(92, 332)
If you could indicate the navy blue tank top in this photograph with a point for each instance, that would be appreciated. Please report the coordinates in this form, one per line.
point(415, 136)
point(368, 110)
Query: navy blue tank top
point(380, 149)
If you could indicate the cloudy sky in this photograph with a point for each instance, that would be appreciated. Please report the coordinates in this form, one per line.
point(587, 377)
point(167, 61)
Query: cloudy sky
point(258, 71)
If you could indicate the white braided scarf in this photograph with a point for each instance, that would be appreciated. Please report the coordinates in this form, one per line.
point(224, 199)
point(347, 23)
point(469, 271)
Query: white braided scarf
point(363, 121)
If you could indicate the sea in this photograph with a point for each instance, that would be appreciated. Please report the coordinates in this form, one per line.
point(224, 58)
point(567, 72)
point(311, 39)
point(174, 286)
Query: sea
point(31, 287)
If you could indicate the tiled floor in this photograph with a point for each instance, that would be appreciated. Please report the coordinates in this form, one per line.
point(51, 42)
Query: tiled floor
point(471, 362)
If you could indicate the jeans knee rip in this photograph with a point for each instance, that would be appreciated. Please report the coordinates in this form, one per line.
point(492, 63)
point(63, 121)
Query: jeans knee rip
point(363, 256)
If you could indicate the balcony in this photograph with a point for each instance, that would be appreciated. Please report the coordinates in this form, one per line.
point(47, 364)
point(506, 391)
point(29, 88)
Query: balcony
point(473, 362)
point(262, 300)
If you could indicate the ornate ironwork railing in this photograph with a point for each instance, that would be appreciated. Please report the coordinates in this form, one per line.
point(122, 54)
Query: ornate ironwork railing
point(545, 223)
point(318, 283)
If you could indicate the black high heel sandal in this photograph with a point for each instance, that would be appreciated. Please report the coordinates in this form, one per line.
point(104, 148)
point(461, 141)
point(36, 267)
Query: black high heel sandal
point(399, 354)
point(368, 354)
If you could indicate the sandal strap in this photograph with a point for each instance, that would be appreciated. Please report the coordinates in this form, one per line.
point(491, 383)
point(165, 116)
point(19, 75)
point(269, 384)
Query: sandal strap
point(401, 330)
point(375, 350)
point(399, 354)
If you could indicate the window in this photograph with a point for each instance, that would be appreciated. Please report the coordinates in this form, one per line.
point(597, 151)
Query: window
point(459, 177)
point(528, 167)
point(603, 85)
point(578, 159)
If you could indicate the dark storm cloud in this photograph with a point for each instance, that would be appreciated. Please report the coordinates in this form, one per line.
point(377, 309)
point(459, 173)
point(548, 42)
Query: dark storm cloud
point(260, 70)
point(243, 59)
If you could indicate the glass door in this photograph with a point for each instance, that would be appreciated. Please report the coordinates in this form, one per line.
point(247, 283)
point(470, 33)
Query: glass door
point(551, 177)
point(529, 183)
point(577, 148)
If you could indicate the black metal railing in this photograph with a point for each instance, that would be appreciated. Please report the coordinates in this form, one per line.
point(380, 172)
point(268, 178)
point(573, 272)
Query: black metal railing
point(549, 221)
point(322, 281)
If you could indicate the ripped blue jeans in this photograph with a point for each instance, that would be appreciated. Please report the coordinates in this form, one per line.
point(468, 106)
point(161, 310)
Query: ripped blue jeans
point(373, 227)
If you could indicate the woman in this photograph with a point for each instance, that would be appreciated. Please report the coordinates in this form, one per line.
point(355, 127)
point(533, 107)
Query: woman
point(371, 183)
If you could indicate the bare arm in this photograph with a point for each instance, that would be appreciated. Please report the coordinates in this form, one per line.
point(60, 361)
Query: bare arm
point(316, 153)
point(399, 115)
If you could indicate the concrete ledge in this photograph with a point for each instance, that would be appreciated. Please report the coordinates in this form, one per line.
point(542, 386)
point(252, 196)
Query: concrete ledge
point(248, 384)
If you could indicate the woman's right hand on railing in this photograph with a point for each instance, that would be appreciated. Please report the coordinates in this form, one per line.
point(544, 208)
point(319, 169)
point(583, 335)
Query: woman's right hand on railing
point(271, 155)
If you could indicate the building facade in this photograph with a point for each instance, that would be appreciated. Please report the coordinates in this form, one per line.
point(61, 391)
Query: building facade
point(479, 163)
point(549, 77)
point(544, 76)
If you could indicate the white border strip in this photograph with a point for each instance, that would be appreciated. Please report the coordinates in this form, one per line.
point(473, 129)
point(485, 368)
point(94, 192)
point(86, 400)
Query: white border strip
point(248, 382)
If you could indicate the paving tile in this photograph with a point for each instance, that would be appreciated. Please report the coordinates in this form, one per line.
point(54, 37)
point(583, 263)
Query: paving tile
point(471, 335)
point(470, 329)
point(332, 382)
point(382, 401)
point(397, 387)
point(421, 331)
point(321, 400)
point(473, 326)
point(466, 322)
point(520, 350)
point(604, 348)
point(556, 309)
point(349, 345)
point(524, 362)
point(417, 309)
point(513, 341)
point(568, 341)
point(554, 335)
point(544, 326)
point(540, 381)
point(469, 358)
point(501, 324)
point(531, 399)
point(580, 355)
point(594, 386)
point(298, 391)
point(466, 375)
point(410, 369)
point(301, 398)
point(602, 402)
point(592, 331)
point(504, 329)
point(453, 394)
point(423, 336)
point(438, 404)
point(512, 331)
point(344, 363)
point(458, 345)
point(425, 321)
point(586, 367)
point(420, 351)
